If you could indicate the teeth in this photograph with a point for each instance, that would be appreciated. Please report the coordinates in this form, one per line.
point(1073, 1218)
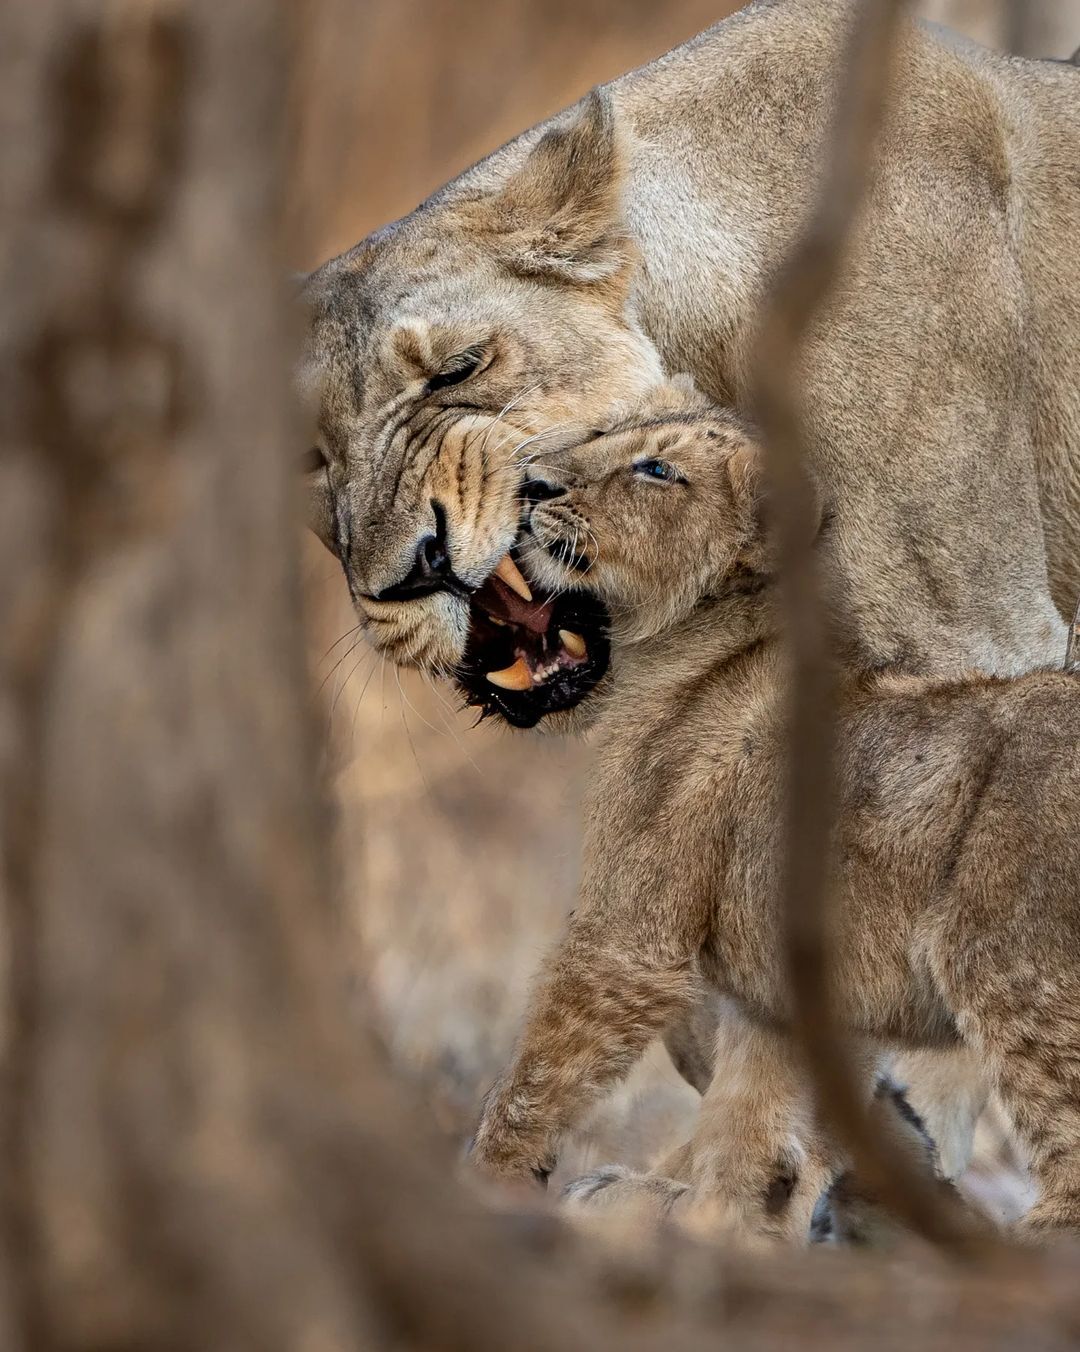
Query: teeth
point(516, 677)
point(511, 575)
point(573, 643)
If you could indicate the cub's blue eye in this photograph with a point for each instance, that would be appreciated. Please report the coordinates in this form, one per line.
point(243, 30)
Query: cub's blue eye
point(657, 469)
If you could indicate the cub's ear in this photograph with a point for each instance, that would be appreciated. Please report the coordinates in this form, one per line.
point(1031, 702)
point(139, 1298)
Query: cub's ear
point(744, 470)
point(746, 480)
point(750, 493)
point(561, 215)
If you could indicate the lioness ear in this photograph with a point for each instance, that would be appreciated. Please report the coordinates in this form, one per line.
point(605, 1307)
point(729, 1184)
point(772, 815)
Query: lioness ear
point(561, 213)
point(684, 382)
point(320, 507)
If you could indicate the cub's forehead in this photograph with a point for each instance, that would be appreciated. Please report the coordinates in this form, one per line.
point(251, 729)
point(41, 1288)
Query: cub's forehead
point(718, 427)
point(666, 430)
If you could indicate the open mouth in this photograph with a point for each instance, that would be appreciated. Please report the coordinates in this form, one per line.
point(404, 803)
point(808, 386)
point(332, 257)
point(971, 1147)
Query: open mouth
point(529, 654)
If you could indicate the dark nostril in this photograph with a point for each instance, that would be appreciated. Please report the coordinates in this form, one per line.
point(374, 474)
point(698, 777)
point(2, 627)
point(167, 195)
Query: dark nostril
point(433, 570)
point(539, 490)
point(431, 552)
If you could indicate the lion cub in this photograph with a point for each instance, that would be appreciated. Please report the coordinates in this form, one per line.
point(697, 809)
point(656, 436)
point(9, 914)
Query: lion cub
point(957, 913)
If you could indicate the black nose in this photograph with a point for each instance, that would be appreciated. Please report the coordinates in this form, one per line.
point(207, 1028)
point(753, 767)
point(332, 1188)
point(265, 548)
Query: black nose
point(539, 490)
point(433, 569)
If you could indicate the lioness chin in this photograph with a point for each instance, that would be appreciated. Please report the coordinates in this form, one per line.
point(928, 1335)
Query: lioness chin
point(957, 868)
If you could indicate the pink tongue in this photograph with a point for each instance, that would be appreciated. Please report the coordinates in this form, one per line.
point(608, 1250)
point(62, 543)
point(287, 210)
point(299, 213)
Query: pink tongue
point(505, 604)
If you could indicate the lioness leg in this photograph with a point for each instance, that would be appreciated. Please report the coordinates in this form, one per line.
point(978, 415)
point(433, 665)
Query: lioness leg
point(849, 1212)
point(948, 1090)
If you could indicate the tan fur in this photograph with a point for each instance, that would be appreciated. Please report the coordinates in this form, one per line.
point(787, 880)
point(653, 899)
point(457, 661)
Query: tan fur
point(945, 415)
point(957, 870)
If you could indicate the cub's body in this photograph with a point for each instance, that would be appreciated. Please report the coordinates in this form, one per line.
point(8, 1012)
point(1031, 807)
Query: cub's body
point(956, 809)
point(956, 898)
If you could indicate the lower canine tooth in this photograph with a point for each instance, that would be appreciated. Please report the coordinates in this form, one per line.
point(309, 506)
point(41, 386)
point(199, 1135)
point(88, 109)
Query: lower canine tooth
point(573, 643)
point(516, 677)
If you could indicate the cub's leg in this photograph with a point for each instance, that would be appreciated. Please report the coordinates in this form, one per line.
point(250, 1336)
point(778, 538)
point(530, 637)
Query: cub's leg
point(691, 1040)
point(1010, 971)
point(607, 993)
point(756, 1164)
point(626, 969)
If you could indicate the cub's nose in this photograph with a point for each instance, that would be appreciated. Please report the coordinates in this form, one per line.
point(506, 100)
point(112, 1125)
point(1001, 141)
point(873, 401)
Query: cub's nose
point(432, 570)
point(539, 490)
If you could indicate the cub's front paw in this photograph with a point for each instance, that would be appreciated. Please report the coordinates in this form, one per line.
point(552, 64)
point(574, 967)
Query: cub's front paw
point(510, 1168)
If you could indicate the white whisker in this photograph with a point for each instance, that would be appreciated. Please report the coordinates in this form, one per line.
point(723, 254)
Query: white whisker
point(360, 700)
point(408, 733)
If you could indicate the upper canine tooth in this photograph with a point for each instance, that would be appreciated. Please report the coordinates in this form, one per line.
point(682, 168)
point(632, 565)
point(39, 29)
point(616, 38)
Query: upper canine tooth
point(511, 575)
point(516, 677)
point(573, 643)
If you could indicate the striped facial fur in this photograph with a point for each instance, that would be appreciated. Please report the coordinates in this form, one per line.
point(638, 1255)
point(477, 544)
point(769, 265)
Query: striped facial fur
point(650, 515)
point(443, 355)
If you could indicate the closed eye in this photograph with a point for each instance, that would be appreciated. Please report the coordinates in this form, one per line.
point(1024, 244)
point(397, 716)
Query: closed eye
point(659, 471)
point(458, 369)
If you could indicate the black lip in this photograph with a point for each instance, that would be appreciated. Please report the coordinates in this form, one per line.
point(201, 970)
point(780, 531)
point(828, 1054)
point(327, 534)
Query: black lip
point(563, 553)
point(489, 649)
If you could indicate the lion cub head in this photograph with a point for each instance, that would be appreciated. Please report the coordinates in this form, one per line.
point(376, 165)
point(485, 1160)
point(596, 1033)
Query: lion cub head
point(652, 514)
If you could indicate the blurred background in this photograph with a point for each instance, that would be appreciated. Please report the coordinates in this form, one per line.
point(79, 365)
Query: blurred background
point(470, 840)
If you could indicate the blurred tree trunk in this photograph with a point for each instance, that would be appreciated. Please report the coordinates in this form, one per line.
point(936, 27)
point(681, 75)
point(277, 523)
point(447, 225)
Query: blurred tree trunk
point(1045, 27)
point(159, 823)
point(199, 1150)
point(1028, 27)
point(985, 21)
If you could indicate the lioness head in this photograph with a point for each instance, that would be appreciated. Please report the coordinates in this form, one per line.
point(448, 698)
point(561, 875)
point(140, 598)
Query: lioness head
point(656, 512)
point(443, 354)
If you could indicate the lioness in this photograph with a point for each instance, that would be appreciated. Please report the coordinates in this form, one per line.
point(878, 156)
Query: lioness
point(957, 864)
point(542, 285)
